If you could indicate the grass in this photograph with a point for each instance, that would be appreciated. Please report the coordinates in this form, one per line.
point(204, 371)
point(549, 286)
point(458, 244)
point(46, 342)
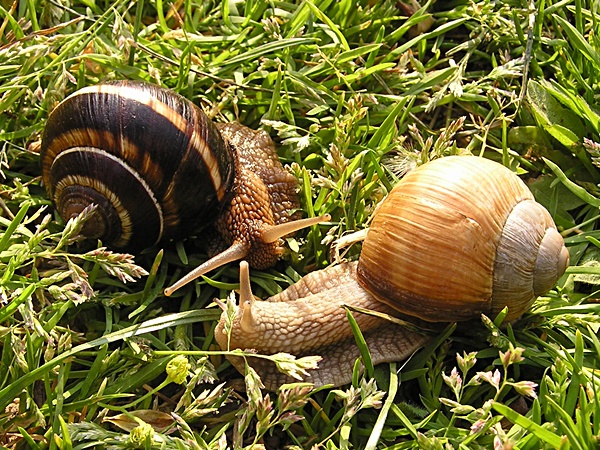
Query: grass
point(355, 93)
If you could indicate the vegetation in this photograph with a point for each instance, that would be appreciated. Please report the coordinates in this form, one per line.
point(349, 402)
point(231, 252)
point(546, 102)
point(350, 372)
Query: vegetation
point(355, 94)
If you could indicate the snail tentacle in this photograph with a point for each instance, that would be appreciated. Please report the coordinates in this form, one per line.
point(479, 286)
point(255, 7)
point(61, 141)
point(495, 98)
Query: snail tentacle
point(234, 253)
point(240, 249)
point(272, 233)
point(244, 311)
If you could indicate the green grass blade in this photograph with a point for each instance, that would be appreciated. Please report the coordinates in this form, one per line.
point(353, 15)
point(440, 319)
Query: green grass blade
point(8, 393)
point(13, 306)
point(362, 345)
point(332, 26)
point(578, 41)
point(265, 49)
point(385, 409)
point(574, 188)
point(424, 36)
point(540, 432)
point(13, 226)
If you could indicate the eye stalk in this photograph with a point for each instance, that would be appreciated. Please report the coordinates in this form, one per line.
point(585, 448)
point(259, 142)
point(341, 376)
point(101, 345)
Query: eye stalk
point(239, 250)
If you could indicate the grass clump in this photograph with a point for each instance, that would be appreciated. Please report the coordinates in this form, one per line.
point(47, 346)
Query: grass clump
point(355, 93)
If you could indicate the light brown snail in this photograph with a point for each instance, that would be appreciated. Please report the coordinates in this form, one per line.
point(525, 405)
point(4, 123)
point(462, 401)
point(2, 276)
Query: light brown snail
point(457, 237)
point(157, 168)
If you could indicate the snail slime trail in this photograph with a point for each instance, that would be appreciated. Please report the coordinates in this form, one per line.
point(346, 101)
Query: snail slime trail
point(504, 241)
point(157, 168)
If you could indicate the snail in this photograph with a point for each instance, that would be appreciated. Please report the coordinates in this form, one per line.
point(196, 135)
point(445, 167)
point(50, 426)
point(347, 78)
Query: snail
point(457, 237)
point(157, 168)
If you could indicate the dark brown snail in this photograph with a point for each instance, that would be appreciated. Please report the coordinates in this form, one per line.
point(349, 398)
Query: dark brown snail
point(158, 168)
point(456, 238)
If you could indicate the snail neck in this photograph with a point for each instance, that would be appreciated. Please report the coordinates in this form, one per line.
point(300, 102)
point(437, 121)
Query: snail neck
point(307, 316)
point(259, 210)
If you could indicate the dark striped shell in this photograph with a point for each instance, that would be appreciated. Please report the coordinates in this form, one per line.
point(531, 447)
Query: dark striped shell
point(150, 159)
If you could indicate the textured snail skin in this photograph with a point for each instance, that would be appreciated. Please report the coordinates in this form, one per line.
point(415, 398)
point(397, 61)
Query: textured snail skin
point(264, 194)
point(270, 326)
point(459, 206)
point(387, 343)
point(309, 318)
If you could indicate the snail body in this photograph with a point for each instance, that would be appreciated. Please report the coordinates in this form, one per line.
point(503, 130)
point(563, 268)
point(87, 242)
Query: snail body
point(456, 238)
point(157, 168)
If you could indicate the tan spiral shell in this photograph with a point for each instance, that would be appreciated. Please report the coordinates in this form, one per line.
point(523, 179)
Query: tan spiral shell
point(440, 252)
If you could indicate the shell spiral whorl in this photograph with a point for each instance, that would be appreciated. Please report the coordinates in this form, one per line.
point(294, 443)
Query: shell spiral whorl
point(143, 154)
